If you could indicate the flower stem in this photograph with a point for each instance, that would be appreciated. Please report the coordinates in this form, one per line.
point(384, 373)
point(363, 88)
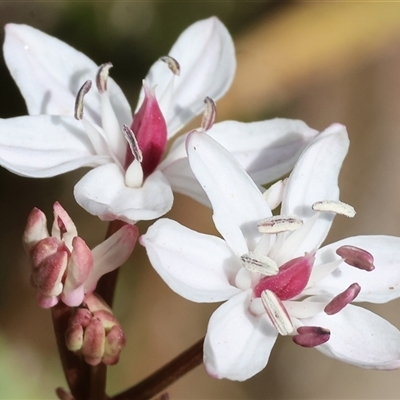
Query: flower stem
point(166, 375)
point(76, 371)
point(106, 284)
point(84, 381)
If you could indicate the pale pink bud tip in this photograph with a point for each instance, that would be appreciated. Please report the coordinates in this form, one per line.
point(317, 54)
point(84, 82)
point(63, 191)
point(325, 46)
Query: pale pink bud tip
point(311, 336)
point(341, 300)
point(356, 257)
point(35, 229)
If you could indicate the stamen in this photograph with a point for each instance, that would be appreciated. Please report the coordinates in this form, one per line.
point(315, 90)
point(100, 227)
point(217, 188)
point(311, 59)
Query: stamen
point(258, 263)
point(279, 223)
point(78, 111)
point(356, 257)
point(61, 226)
point(209, 114)
point(311, 336)
point(133, 144)
point(102, 76)
point(273, 195)
point(337, 207)
point(341, 300)
point(173, 65)
point(277, 312)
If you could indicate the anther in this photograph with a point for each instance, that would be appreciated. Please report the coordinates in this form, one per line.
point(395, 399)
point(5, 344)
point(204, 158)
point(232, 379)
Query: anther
point(311, 336)
point(337, 207)
point(78, 111)
point(173, 65)
point(341, 300)
point(277, 312)
point(102, 76)
point(258, 263)
point(133, 144)
point(356, 257)
point(210, 112)
point(279, 223)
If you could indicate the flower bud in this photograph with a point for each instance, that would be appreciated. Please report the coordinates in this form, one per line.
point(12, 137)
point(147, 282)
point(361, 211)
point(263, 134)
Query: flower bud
point(95, 333)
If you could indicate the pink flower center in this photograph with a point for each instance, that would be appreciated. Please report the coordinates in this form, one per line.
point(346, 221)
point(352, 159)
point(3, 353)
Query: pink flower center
point(150, 130)
point(291, 280)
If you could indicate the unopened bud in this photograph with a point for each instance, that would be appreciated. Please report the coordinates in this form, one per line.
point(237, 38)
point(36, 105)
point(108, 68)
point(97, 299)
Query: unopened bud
point(95, 333)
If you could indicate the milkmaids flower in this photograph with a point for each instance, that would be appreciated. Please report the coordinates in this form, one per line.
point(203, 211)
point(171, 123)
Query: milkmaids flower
point(129, 181)
point(271, 271)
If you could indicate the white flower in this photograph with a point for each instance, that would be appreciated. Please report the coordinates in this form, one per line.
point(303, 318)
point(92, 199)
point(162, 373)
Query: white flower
point(311, 282)
point(50, 141)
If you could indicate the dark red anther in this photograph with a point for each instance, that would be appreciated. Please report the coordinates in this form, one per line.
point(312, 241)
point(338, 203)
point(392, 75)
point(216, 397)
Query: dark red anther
point(311, 336)
point(341, 300)
point(356, 257)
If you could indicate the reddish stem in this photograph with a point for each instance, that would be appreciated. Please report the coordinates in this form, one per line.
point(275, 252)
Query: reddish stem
point(76, 371)
point(166, 375)
point(84, 381)
point(106, 284)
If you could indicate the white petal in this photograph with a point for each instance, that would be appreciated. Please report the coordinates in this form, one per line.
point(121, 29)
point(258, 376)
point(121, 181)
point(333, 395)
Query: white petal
point(265, 149)
point(206, 55)
point(315, 178)
point(102, 192)
point(49, 74)
point(237, 202)
point(43, 146)
point(196, 266)
point(360, 337)
point(378, 286)
point(182, 180)
point(237, 345)
point(111, 254)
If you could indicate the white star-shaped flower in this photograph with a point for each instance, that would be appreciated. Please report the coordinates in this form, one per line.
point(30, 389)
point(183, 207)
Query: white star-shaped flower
point(271, 271)
point(122, 184)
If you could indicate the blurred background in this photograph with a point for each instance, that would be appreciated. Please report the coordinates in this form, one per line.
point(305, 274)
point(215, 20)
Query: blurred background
point(321, 62)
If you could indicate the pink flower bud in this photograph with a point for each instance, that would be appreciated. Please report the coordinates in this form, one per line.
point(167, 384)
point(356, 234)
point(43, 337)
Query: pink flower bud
point(95, 333)
point(35, 229)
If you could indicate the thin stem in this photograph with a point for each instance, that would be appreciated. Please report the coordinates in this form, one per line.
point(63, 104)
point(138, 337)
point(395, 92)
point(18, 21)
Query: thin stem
point(98, 379)
point(84, 381)
point(76, 371)
point(106, 285)
point(165, 376)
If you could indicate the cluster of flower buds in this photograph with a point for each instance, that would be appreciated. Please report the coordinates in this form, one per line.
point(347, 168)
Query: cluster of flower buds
point(63, 266)
point(94, 332)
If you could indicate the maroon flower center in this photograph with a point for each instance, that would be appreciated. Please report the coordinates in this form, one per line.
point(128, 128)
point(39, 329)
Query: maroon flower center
point(291, 280)
point(150, 129)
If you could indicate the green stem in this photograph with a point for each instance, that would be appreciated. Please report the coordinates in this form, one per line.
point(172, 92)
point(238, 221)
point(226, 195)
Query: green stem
point(165, 376)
